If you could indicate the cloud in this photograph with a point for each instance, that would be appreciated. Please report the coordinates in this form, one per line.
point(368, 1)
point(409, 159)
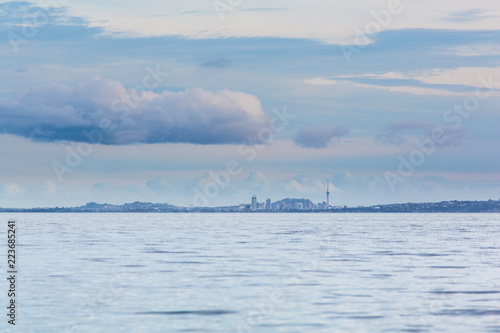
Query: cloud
point(397, 82)
point(221, 62)
point(24, 20)
point(44, 187)
point(469, 15)
point(320, 82)
point(57, 112)
point(334, 22)
point(465, 76)
point(392, 134)
point(319, 136)
point(264, 9)
point(395, 133)
point(307, 185)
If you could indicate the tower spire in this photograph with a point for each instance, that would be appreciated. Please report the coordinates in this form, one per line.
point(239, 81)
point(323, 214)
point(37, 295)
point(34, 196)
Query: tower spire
point(328, 195)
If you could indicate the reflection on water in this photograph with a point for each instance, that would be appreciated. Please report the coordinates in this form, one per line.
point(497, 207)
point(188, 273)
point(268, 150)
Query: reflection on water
point(258, 273)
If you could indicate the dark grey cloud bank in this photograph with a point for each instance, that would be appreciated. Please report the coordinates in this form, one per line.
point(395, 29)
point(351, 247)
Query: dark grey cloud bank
point(319, 136)
point(57, 112)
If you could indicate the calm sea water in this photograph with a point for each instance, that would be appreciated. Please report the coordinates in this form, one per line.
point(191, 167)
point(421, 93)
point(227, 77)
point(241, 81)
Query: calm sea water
point(257, 273)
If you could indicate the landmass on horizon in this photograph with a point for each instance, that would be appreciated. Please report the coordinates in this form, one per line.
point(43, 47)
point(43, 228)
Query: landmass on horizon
point(282, 206)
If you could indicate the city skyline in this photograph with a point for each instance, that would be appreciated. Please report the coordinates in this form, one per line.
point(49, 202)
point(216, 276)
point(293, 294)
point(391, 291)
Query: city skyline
point(268, 205)
point(283, 205)
point(208, 103)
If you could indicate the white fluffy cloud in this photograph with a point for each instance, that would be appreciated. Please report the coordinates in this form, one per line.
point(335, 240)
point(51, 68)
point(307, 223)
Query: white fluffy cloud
point(116, 115)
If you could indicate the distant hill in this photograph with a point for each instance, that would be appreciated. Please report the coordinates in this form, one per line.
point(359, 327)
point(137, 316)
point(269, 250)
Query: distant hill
point(292, 203)
point(490, 206)
point(128, 207)
point(93, 207)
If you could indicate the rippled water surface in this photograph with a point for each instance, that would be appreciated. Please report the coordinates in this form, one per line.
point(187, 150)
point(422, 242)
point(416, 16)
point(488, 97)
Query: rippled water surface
point(258, 272)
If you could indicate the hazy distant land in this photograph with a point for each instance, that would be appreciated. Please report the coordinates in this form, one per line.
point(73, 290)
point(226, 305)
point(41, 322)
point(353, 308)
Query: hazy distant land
point(282, 206)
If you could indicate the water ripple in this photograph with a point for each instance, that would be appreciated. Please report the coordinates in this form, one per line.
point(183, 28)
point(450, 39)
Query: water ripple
point(196, 312)
point(468, 312)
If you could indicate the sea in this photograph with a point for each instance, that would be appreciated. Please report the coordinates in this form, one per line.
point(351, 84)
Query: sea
point(261, 272)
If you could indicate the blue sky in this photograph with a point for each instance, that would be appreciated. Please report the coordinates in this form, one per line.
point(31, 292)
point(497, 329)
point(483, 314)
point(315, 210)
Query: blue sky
point(208, 103)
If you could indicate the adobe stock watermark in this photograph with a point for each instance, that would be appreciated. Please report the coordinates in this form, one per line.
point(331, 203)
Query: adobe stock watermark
point(249, 150)
point(121, 107)
point(31, 25)
point(225, 6)
point(454, 118)
point(381, 19)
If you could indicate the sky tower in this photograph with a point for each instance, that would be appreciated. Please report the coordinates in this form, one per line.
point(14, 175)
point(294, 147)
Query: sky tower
point(328, 195)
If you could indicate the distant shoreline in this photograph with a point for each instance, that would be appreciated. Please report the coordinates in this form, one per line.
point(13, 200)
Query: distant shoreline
point(269, 212)
point(490, 206)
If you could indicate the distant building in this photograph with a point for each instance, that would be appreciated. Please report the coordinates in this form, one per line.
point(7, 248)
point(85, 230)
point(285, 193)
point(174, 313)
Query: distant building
point(254, 202)
point(268, 204)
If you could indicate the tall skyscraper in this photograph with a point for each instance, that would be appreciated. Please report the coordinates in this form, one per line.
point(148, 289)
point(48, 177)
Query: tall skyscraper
point(254, 202)
point(328, 195)
point(268, 204)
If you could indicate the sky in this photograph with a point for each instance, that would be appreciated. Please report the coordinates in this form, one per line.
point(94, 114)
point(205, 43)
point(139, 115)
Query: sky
point(206, 103)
